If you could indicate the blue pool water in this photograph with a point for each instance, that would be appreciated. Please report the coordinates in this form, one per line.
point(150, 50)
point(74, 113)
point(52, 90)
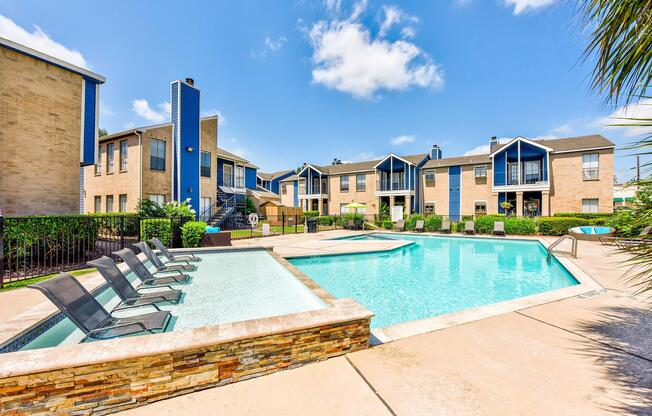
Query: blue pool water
point(226, 287)
point(436, 275)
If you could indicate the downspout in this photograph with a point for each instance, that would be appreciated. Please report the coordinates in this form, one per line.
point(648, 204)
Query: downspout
point(139, 133)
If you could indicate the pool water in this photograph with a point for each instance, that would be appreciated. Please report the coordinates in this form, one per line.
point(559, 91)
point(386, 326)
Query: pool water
point(436, 275)
point(226, 287)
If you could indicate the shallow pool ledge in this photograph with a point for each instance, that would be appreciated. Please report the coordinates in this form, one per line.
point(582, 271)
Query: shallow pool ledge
point(103, 377)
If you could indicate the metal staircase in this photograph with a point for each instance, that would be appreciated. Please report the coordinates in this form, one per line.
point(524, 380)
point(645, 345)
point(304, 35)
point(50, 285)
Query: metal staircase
point(221, 210)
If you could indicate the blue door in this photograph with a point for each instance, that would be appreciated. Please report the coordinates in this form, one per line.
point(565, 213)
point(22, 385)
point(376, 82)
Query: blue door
point(454, 192)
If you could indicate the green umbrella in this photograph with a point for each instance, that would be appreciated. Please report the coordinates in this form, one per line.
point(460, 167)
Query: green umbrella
point(355, 206)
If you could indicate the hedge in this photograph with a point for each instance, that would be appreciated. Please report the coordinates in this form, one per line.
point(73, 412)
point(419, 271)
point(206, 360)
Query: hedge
point(584, 215)
point(156, 227)
point(411, 221)
point(325, 220)
point(559, 225)
point(310, 214)
point(432, 223)
point(192, 232)
point(520, 226)
point(387, 224)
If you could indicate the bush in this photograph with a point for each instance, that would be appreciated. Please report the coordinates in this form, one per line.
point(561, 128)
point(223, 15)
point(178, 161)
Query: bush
point(559, 225)
point(624, 224)
point(326, 220)
point(584, 215)
point(411, 221)
point(109, 224)
point(387, 224)
point(155, 227)
point(192, 232)
point(147, 208)
point(310, 214)
point(173, 209)
point(485, 223)
point(459, 226)
point(432, 223)
point(520, 226)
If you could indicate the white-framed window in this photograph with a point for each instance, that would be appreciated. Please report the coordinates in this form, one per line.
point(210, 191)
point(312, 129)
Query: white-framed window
point(429, 208)
point(122, 203)
point(227, 175)
point(124, 149)
point(480, 207)
point(98, 165)
point(590, 205)
point(205, 166)
point(157, 155)
point(204, 204)
point(430, 177)
point(480, 171)
point(590, 166)
point(344, 184)
point(159, 199)
point(110, 150)
point(109, 204)
point(239, 177)
point(284, 188)
point(98, 204)
point(360, 182)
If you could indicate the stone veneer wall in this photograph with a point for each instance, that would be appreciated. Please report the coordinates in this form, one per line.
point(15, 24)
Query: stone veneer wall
point(107, 386)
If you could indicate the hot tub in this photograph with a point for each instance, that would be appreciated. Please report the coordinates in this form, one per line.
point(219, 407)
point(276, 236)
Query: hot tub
point(591, 233)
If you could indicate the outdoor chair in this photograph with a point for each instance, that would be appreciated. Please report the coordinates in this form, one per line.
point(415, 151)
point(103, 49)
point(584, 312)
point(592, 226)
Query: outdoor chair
point(158, 263)
point(171, 257)
point(627, 242)
point(351, 225)
point(469, 227)
point(89, 315)
point(499, 228)
point(445, 227)
point(418, 227)
point(141, 271)
point(400, 225)
point(131, 297)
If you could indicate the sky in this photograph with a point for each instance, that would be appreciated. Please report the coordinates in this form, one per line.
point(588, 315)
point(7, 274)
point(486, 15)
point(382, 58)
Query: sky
point(311, 80)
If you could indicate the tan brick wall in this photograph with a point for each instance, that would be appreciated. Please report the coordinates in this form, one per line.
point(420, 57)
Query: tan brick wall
point(157, 182)
point(476, 190)
point(438, 193)
point(367, 197)
point(287, 199)
point(568, 188)
point(40, 129)
point(209, 144)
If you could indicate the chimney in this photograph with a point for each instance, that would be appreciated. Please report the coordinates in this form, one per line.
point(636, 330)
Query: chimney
point(435, 152)
point(336, 161)
point(493, 142)
point(190, 82)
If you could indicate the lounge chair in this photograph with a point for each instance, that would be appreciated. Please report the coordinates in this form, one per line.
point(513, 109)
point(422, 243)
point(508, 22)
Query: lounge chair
point(158, 263)
point(90, 316)
point(144, 274)
point(171, 257)
point(499, 228)
point(469, 227)
point(400, 225)
point(130, 296)
point(626, 242)
point(445, 227)
point(419, 226)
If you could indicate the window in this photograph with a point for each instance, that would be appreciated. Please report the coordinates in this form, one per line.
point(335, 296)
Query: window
point(360, 182)
point(122, 203)
point(124, 146)
point(531, 171)
point(590, 205)
point(204, 204)
point(158, 198)
point(480, 207)
point(109, 157)
point(98, 204)
point(429, 208)
point(109, 203)
point(157, 155)
point(343, 208)
point(430, 177)
point(227, 175)
point(344, 183)
point(206, 164)
point(480, 171)
point(590, 166)
point(284, 188)
point(98, 165)
point(239, 177)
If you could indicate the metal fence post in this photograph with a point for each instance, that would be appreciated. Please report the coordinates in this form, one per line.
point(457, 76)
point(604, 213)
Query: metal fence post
point(296, 223)
point(122, 232)
point(283, 223)
point(2, 250)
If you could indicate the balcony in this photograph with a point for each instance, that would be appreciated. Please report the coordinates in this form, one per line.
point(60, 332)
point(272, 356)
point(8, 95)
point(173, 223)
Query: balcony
point(396, 187)
point(237, 183)
point(529, 179)
point(315, 192)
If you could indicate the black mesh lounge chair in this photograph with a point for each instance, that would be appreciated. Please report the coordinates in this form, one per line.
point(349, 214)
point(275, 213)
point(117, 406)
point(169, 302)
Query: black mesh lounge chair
point(158, 263)
point(625, 242)
point(469, 227)
point(144, 274)
point(419, 226)
point(445, 227)
point(90, 316)
point(171, 257)
point(499, 228)
point(130, 296)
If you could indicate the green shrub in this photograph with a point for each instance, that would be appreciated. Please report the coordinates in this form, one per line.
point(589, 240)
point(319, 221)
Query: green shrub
point(624, 223)
point(432, 223)
point(146, 208)
point(343, 220)
point(156, 227)
point(326, 220)
point(584, 215)
point(192, 232)
point(520, 226)
point(559, 225)
point(173, 209)
point(411, 221)
point(459, 226)
point(388, 224)
point(485, 224)
point(310, 214)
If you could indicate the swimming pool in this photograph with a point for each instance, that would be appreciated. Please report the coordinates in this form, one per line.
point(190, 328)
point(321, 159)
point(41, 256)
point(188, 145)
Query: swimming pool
point(436, 275)
point(226, 287)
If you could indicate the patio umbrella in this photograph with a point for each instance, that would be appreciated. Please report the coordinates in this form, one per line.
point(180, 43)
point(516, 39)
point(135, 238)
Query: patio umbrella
point(355, 206)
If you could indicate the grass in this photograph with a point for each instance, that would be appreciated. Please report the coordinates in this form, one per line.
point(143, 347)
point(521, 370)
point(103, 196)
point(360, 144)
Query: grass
point(273, 230)
point(32, 280)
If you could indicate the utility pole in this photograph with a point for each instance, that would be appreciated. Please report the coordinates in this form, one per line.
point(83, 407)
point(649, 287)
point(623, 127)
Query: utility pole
point(638, 168)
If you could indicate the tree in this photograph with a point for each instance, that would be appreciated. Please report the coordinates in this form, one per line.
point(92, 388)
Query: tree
point(102, 132)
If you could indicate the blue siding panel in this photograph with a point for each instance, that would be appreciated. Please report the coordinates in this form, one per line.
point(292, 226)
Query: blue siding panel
point(90, 96)
point(174, 116)
point(296, 194)
point(454, 192)
point(500, 176)
point(189, 131)
point(250, 178)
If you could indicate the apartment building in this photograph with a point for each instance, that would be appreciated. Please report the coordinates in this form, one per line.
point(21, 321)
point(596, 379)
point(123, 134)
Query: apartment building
point(48, 130)
point(540, 177)
point(272, 181)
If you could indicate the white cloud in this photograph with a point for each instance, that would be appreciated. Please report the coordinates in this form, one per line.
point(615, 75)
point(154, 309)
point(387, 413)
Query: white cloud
point(408, 32)
point(213, 112)
point(566, 128)
point(521, 6)
point(639, 110)
point(142, 108)
point(363, 157)
point(271, 46)
point(400, 140)
point(393, 16)
point(484, 149)
point(347, 59)
point(41, 42)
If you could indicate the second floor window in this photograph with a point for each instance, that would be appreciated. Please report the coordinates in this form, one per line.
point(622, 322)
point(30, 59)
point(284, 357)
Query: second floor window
point(360, 182)
point(239, 177)
point(480, 171)
point(344, 183)
point(124, 146)
point(110, 148)
point(157, 155)
point(590, 166)
point(284, 188)
point(206, 164)
point(430, 177)
point(98, 165)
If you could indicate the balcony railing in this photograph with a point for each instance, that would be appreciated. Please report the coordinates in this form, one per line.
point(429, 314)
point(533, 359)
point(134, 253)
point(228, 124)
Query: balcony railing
point(384, 186)
point(314, 190)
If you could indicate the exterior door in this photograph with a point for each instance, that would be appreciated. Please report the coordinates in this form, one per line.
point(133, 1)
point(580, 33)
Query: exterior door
point(454, 193)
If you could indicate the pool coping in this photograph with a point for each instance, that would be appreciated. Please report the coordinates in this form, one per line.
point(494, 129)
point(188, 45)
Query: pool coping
point(586, 285)
point(399, 244)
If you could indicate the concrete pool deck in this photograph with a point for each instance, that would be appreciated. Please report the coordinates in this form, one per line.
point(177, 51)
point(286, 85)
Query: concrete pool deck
point(576, 356)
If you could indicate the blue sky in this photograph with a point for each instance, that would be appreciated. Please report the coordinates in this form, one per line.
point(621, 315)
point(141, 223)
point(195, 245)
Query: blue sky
point(309, 81)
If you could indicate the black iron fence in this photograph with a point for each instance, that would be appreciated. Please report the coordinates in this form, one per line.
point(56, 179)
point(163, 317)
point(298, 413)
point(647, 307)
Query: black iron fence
point(36, 246)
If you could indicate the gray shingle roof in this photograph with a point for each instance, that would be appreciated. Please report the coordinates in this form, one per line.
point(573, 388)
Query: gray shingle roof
point(456, 161)
point(273, 175)
point(577, 143)
point(365, 166)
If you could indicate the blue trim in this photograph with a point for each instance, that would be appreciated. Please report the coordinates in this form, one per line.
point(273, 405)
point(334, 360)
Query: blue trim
point(89, 139)
point(174, 115)
point(296, 194)
point(454, 192)
point(250, 178)
point(189, 169)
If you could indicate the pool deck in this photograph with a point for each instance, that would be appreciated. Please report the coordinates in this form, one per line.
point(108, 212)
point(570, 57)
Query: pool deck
point(576, 356)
